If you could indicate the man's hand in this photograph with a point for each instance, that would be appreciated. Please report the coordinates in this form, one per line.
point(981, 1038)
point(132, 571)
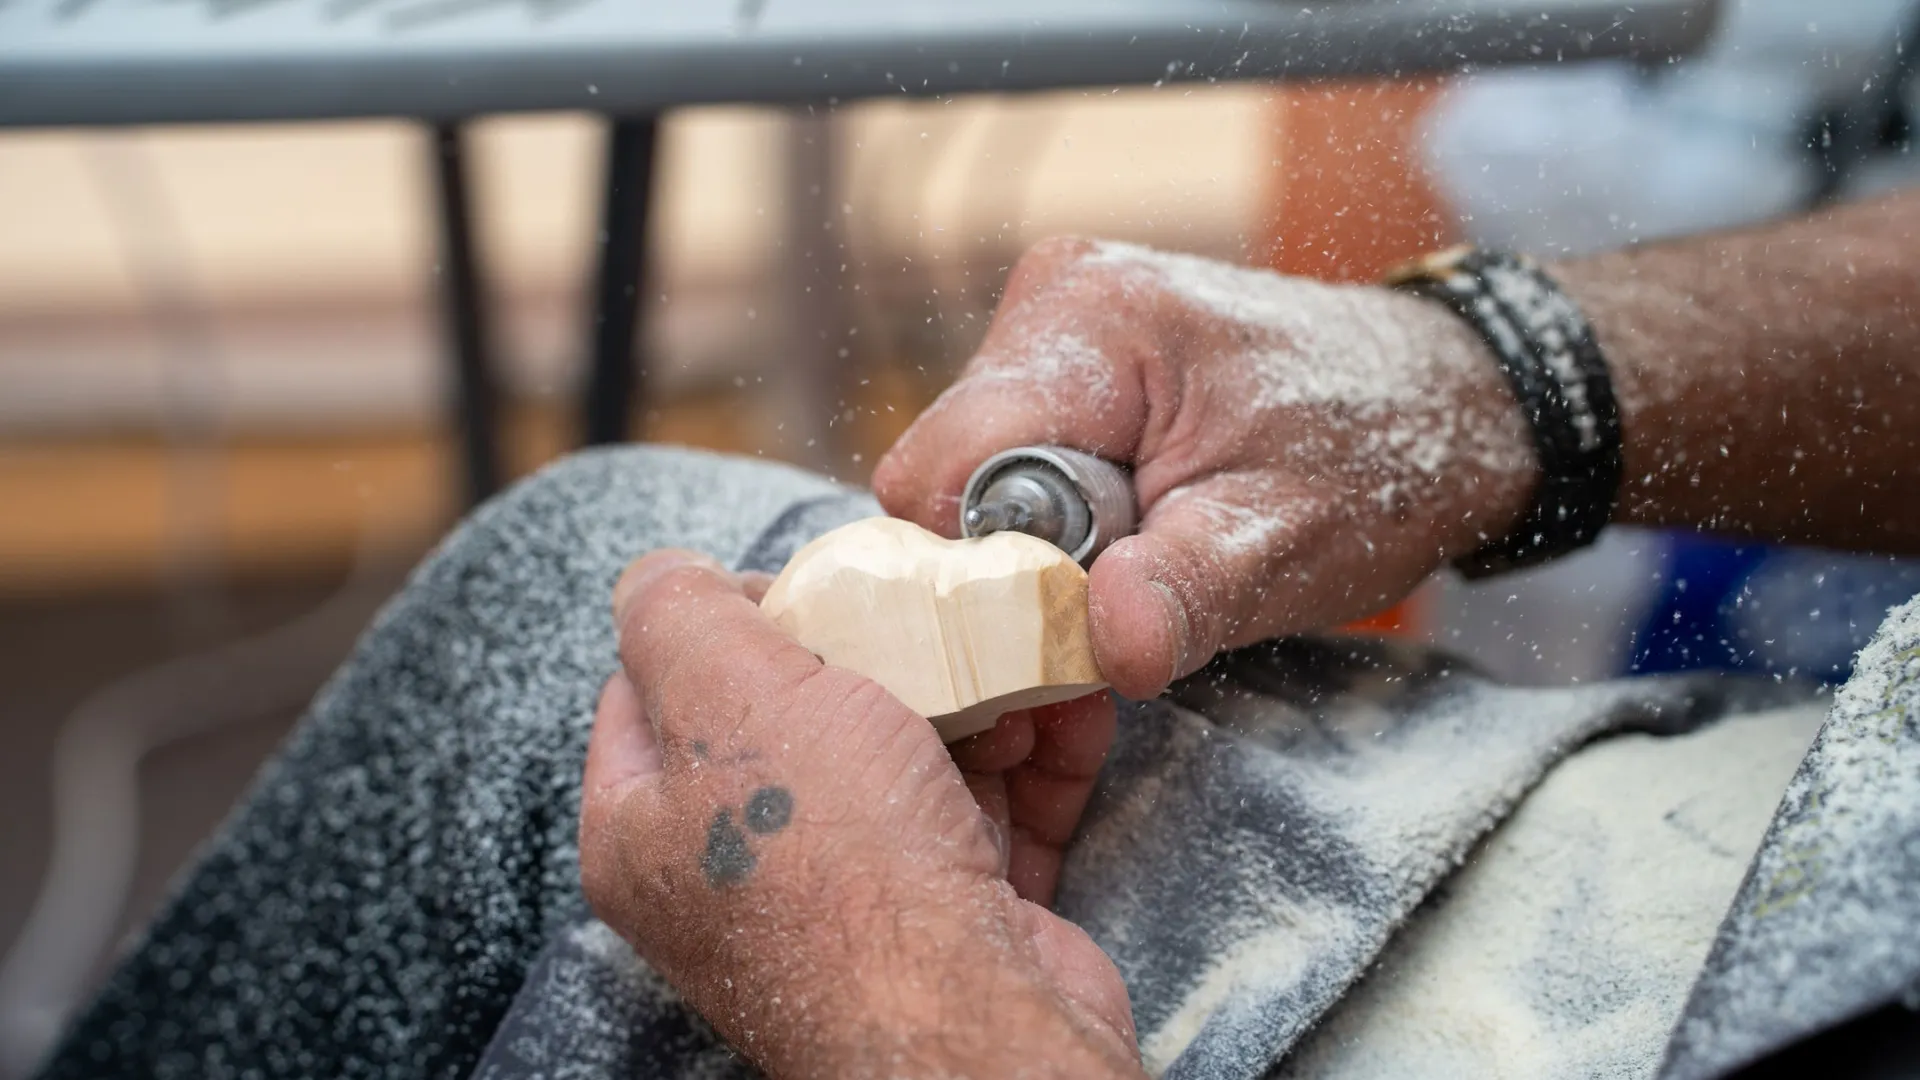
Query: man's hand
point(797, 853)
point(1304, 454)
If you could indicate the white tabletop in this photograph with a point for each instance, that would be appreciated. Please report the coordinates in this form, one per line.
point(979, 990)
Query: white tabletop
point(144, 61)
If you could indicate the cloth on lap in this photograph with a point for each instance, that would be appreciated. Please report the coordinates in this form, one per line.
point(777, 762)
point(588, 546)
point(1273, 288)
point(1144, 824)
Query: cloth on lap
point(399, 894)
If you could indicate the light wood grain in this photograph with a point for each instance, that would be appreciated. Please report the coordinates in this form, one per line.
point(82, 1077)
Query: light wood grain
point(962, 631)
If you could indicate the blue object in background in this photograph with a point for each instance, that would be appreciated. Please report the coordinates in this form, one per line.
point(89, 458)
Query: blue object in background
point(1794, 612)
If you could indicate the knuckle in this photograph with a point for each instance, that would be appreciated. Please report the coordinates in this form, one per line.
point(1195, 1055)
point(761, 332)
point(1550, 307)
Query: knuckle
point(1046, 261)
point(780, 679)
point(671, 611)
point(669, 592)
point(792, 665)
point(849, 704)
point(1057, 250)
point(893, 477)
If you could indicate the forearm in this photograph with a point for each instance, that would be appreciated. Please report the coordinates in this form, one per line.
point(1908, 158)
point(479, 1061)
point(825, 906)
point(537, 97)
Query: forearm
point(950, 991)
point(977, 1018)
point(1769, 380)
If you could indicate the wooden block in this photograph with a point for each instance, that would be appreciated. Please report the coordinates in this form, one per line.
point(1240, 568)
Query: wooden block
point(960, 630)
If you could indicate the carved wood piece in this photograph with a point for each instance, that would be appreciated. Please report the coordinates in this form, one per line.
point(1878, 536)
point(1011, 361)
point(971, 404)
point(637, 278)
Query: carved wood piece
point(960, 630)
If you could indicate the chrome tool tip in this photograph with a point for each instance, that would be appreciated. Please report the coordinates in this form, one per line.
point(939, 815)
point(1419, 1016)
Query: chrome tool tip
point(989, 517)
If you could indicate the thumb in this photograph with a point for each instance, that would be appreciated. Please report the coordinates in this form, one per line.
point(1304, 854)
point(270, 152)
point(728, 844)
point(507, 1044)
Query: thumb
point(1194, 579)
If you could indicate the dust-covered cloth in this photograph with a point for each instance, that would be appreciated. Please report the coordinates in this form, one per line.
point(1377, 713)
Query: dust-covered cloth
point(1825, 934)
point(398, 895)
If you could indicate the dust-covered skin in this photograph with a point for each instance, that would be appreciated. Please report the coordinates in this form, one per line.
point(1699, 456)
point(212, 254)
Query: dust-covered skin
point(1769, 379)
point(834, 889)
point(1305, 454)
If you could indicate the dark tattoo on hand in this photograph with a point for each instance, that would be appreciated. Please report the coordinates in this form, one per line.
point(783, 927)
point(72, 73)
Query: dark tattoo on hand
point(728, 860)
point(769, 810)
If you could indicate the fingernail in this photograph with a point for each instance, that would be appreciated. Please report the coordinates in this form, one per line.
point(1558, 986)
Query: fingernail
point(1176, 617)
point(643, 570)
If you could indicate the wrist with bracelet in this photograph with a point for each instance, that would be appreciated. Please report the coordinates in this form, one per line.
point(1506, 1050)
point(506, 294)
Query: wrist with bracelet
point(1547, 352)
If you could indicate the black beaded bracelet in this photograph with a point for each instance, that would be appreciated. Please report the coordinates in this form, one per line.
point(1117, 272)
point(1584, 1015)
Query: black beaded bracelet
point(1547, 351)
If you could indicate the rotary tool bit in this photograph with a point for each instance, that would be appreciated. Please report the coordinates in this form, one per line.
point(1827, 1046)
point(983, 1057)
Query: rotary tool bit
point(1073, 500)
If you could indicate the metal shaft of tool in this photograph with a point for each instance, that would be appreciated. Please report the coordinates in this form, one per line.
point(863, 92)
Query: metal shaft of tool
point(1036, 503)
point(1073, 500)
point(996, 517)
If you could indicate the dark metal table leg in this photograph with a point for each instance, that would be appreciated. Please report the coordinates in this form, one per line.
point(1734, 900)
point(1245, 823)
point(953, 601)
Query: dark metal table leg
point(615, 385)
point(475, 397)
point(816, 376)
